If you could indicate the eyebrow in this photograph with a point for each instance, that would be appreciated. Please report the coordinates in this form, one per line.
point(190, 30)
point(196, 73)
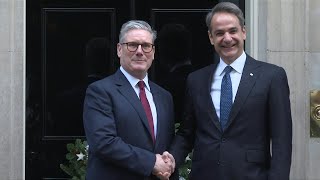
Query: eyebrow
point(230, 29)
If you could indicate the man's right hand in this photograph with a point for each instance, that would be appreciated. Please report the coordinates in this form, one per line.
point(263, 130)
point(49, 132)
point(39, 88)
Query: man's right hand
point(169, 159)
point(163, 167)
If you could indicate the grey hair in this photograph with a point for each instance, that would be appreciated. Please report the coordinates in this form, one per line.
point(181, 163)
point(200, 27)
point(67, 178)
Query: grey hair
point(227, 7)
point(136, 24)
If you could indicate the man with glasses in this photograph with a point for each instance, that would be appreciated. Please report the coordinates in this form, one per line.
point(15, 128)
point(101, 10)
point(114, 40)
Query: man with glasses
point(133, 46)
point(129, 120)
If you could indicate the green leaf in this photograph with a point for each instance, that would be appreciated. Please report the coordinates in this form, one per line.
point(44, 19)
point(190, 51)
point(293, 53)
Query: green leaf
point(76, 169)
point(75, 178)
point(70, 156)
point(176, 125)
point(70, 147)
point(66, 169)
point(85, 144)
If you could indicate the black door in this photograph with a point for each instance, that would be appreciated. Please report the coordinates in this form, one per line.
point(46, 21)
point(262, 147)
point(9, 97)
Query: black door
point(70, 45)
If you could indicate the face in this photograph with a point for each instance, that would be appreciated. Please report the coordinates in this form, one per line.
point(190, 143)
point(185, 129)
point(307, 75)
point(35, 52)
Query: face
point(136, 63)
point(227, 36)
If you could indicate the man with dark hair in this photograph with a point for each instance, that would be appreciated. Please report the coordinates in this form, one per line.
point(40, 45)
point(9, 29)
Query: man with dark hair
point(237, 117)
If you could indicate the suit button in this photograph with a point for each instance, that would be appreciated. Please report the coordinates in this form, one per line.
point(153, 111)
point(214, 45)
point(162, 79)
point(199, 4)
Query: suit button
point(223, 140)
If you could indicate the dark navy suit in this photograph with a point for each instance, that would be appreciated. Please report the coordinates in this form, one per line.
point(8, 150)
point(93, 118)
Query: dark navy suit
point(117, 130)
point(260, 115)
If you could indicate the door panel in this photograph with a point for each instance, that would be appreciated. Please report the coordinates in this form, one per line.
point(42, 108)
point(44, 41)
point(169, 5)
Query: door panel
point(70, 37)
point(70, 45)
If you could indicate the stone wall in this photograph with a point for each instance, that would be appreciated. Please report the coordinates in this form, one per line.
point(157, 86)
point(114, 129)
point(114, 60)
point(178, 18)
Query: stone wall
point(313, 74)
point(12, 88)
point(286, 33)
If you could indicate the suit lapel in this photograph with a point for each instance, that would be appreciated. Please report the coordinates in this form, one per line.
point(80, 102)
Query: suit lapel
point(213, 113)
point(206, 96)
point(128, 92)
point(248, 79)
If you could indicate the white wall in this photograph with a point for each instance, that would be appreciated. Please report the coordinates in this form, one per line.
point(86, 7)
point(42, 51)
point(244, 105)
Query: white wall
point(12, 73)
point(286, 33)
point(313, 72)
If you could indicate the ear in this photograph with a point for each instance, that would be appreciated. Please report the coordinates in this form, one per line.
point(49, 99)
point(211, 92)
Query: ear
point(244, 32)
point(210, 38)
point(119, 50)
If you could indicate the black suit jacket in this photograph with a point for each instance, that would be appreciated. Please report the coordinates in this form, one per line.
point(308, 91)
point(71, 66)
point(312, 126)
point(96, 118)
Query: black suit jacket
point(260, 114)
point(117, 130)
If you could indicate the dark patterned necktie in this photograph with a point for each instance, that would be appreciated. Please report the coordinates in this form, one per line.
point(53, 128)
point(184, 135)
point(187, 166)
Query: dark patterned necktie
point(226, 97)
point(146, 107)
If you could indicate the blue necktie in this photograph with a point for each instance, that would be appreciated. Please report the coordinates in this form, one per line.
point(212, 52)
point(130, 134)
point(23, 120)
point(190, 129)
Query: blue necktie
point(226, 97)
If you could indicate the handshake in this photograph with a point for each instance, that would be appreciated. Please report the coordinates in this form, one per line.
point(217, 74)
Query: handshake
point(164, 166)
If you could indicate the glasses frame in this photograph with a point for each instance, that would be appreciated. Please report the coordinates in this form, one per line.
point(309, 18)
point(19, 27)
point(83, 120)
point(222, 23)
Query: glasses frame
point(127, 44)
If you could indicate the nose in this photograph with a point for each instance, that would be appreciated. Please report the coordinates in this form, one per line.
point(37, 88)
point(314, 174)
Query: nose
point(139, 49)
point(227, 38)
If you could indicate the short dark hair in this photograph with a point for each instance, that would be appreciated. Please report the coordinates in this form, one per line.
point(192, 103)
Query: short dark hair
point(225, 7)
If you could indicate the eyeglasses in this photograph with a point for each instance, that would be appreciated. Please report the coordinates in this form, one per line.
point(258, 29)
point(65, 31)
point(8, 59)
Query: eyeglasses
point(132, 46)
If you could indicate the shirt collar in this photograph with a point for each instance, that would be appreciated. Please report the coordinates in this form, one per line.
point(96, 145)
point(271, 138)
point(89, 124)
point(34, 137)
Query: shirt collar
point(134, 81)
point(237, 65)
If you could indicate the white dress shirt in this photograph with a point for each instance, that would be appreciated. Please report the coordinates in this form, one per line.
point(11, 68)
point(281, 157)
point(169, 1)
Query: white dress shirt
point(235, 76)
point(134, 83)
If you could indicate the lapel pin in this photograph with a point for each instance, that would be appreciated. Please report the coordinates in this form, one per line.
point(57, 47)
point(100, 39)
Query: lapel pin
point(251, 74)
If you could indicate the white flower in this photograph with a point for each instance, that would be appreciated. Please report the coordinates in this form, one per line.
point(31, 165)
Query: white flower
point(80, 156)
point(187, 158)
